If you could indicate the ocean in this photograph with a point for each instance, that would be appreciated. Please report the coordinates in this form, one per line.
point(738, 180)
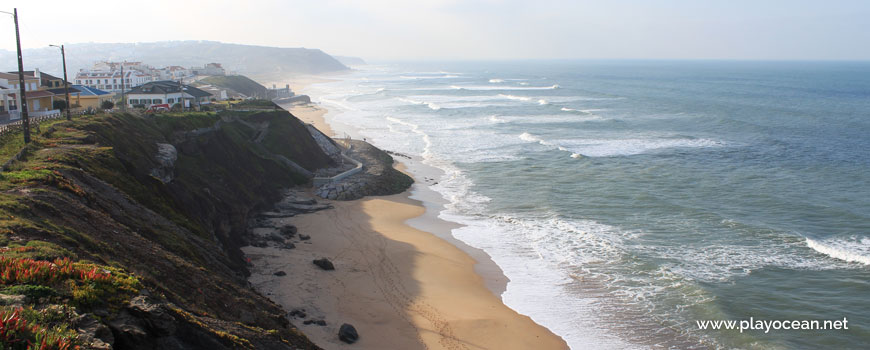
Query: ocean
point(628, 200)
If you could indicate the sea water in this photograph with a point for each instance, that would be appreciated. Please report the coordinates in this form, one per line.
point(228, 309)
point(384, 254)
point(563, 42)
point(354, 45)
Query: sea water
point(627, 200)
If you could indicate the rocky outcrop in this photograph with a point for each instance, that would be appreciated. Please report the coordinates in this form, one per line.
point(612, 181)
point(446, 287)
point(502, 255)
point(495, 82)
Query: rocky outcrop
point(166, 157)
point(325, 142)
point(377, 178)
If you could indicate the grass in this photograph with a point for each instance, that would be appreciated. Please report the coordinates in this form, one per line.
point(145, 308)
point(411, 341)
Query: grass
point(239, 83)
point(83, 191)
point(43, 329)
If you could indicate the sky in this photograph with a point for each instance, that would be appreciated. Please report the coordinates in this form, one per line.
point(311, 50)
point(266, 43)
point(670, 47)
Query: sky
point(468, 30)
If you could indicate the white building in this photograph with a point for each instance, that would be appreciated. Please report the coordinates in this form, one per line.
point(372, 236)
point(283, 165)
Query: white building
point(166, 92)
point(209, 69)
point(171, 73)
point(111, 80)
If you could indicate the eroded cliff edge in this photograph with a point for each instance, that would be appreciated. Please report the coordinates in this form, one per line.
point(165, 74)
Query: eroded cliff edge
point(148, 213)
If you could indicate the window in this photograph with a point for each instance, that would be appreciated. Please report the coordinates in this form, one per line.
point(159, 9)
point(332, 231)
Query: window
point(146, 102)
point(114, 81)
point(157, 101)
point(107, 81)
point(78, 82)
point(134, 102)
point(171, 100)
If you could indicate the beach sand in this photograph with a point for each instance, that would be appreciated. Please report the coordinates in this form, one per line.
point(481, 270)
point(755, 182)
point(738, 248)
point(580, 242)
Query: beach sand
point(401, 288)
point(312, 114)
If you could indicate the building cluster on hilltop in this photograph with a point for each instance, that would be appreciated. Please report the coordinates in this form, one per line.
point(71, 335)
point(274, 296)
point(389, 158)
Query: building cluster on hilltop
point(143, 85)
point(43, 92)
point(107, 75)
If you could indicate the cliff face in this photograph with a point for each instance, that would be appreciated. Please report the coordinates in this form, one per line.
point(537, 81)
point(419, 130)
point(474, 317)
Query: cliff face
point(160, 205)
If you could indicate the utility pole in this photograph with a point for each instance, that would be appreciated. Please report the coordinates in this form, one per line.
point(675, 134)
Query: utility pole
point(181, 90)
point(65, 82)
point(123, 103)
point(25, 120)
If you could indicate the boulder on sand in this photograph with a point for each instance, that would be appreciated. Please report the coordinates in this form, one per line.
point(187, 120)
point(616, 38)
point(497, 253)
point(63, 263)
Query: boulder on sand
point(324, 263)
point(348, 334)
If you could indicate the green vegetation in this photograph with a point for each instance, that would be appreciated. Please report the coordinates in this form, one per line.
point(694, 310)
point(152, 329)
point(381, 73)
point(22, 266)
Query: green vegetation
point(238, 83)
point(43, 329)
point(84, 226)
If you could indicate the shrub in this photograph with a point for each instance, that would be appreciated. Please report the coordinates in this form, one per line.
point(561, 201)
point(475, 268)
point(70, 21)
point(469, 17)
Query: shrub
point(107, 104)
point(31, 291)
point(58, 104)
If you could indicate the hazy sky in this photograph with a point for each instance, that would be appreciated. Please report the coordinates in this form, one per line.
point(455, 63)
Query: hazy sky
point(476, 29)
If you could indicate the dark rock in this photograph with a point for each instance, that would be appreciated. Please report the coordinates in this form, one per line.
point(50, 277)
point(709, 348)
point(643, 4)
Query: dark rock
point(289, 231)
point(348, 334)
point(298, 313)
point(280, 273)
point(320, 322)
point(307, 322)
point(304, 237)
point(128, 331)
point(324, 263)
point(274, 237)
point(157, 319)
point(93, 333)
point(289, 245)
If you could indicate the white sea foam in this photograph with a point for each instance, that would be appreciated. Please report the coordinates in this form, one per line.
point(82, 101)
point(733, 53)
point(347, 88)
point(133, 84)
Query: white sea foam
point(852, 250)
point(431, 105)
point(583, 111)
point(496, 119)
point(532, 138)
point(543, 102)
point(633, 146)
point(507, 88)
point(516, 98)
point(496, 81)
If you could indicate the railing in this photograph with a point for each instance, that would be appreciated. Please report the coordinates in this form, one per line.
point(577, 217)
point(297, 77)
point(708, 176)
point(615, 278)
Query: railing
point(16, 125)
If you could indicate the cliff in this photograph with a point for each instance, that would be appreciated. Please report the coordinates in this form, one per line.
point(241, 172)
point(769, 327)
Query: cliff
point(124, 231)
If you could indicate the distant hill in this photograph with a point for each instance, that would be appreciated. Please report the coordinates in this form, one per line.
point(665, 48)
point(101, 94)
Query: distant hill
point(257, 62)
point(350, 61)
point(238, 83)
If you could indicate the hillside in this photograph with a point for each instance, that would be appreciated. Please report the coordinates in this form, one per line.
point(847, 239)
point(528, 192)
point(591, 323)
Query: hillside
point(237, 83)
point(258, 62)
point(128, 228)
point(350, 61)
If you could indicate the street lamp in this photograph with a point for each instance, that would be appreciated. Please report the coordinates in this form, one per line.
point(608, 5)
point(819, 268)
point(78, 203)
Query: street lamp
point(25, 120)
point(65, 81)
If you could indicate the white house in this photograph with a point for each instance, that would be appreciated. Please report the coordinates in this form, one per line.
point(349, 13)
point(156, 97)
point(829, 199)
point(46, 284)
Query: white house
point(111, 80)
point(166, 92)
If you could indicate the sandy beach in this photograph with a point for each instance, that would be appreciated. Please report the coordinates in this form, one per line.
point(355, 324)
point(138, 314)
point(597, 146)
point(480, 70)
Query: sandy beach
point(402, 288)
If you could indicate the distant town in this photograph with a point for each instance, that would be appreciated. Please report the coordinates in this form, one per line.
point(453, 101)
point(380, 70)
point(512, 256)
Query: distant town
point(132, 85)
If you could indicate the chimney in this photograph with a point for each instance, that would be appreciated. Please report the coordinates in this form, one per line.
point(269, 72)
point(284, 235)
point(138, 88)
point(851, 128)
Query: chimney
point(273, 86)
point(288, 86)
point(36, 73)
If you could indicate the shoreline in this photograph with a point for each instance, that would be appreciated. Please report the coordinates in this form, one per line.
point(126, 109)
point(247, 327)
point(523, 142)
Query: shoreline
point(401, 278)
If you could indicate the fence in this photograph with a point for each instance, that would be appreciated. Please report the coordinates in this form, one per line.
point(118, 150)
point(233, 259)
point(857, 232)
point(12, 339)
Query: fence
point(34, 121)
